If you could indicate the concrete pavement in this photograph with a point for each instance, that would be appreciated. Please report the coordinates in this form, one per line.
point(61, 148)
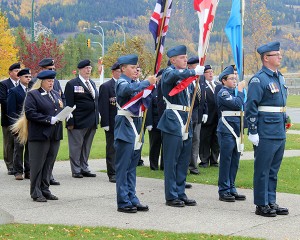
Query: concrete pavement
point(92, 202)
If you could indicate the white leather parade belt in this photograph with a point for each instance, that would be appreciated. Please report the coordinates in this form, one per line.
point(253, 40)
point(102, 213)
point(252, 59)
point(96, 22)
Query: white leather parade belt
point(271, 109)
point(231, 113)
point(125, 113)
point(178, 107)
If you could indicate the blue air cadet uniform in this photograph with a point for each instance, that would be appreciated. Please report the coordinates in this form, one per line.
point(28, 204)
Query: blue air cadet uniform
point(266, 117)
point(177, 151)
point(127, 126)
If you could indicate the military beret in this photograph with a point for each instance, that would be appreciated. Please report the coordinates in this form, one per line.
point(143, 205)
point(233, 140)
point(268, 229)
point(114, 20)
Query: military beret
point(84, 63)
point(228, 70)
point(15, 66)
point(131, 59)
point(46, 62)
point(115, 66)
point(193, 60)
point(24, 71)
point(207, 67)
point(176, 51)
point(47, 74)
point(269, 47)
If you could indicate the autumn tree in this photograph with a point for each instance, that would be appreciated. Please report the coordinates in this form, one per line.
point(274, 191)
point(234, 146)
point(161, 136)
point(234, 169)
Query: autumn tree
point(8, 53)
point(34, 52)
point(258, 30)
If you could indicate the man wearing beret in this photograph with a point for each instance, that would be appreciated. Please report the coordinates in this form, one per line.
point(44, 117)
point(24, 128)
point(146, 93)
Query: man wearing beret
point(209, 147)
point(127, 129)
point(8, 139)
point(266, 116)
point(108, 111)
point(177, 144)
point(199, 115)
point(82, 93)
point(15, 102)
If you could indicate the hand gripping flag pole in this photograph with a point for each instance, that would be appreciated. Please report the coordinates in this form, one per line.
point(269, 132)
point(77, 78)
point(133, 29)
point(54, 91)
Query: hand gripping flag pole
point(206, 10)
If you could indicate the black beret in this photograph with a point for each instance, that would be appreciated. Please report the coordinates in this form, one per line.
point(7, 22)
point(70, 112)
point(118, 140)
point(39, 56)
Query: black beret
point(47, 74)
point(84, 63)
point(193, 60)
point(15, 66)
point(46, 62)
point(115, 66)
point(130, 59)
point(24, 71)
point(207, 67)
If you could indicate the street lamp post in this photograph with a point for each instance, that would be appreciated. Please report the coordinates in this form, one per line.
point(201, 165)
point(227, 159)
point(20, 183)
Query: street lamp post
point(32, 21)
point(96, 26)
point(118, 26)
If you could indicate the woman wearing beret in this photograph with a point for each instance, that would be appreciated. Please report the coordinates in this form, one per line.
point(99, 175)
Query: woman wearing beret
point(44, 133)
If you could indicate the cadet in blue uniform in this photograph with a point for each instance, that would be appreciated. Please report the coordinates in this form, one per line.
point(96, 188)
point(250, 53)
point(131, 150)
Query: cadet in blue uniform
point(127, 127)
point(44, 134)
point(229, 128)
point(176, 143)
point(266, 118)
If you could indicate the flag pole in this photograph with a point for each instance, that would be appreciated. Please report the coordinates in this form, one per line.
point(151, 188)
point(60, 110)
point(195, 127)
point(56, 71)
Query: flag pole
point(155, 65)
point(242, 72)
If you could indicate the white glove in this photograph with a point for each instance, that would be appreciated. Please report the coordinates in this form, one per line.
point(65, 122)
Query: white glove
point(254, 138)
point(106, 128)
point(149, 128)
point(199, 70)
point(69, 116)
point(204, 118)
point(54, 120)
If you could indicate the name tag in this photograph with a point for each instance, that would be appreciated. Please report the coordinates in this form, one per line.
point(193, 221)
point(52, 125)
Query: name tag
point(78, 89)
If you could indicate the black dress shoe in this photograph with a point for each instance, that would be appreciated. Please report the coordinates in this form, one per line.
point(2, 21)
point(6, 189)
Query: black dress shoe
point(279, 210)
point(189, 202)
point(10, 171)
point(265, 211)
point(88, 174)
point(54, 182)
point(188, 185)
point(238, 197)
point(128, 209)
point(51, 197)
point(203, 165)
point(175, 203)
point(40, 199)
point(226, 197)
point(77, 175)
point(27, 175)
point(214, 165)
point(112, 179)
point(141, 162)
point(194, 173)
point(142, 208)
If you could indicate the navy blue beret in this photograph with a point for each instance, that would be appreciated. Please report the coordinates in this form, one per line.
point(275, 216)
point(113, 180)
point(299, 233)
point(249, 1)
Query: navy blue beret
point(47, 74)
point(46, 62)
point(193, 60)
point(207, 67)
point(15, 66)
point(130, 59)
point(228, 70)
point(176, 51)
point(84, 63)
point(269, 47)
point(24, 71)
point(115, 66)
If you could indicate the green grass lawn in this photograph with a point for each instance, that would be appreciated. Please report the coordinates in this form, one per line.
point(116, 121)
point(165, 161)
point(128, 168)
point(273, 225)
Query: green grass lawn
point(61, 232)
point(293, 101)
point(296, 126)
point(288, 181)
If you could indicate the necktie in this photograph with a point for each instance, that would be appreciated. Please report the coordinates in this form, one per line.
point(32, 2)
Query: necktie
point(26, 89)
point(90, 88)
point(212, 86)
point(199, 93)
point(50, 96)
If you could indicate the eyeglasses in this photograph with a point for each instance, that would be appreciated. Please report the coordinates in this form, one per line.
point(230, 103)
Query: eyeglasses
point(231, 78)
point(27, 76)
point(211, 71)
point(53, 69)
point(274, 55)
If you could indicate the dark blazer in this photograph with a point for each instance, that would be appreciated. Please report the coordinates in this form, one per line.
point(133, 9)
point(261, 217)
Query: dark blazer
point(39, 109)
point(86, 114)
point(5, 85)
point(15, 102)
point(107, 104)
point(212, 105)
point(153, 117)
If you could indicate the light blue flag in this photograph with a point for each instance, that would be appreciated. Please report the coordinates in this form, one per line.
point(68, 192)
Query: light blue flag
point(234, 33)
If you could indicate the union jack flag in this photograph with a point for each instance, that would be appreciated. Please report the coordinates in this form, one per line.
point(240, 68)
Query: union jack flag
point(140, 101)
point(158, 26)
